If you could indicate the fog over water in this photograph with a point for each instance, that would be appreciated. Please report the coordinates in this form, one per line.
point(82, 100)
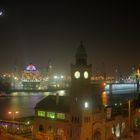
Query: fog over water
point(25, 102)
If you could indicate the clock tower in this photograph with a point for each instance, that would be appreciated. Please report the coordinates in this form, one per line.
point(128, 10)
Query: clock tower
point(81, 71)
point(81, 97)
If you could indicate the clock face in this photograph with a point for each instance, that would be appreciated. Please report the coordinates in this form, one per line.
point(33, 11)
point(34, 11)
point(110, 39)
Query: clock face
point(77, 74)
point(85, 74)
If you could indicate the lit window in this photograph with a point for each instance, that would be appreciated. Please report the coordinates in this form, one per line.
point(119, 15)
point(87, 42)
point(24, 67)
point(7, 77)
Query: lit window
point(86, 105)
point(60, 116)
point(41, 113)
point(51, 115)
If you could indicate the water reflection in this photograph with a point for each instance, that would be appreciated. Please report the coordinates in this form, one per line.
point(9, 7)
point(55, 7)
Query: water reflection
point(23, 102)
point(104, 98)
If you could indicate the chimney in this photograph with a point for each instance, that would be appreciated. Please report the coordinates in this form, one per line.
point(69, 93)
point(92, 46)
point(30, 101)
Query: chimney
point(57, 98)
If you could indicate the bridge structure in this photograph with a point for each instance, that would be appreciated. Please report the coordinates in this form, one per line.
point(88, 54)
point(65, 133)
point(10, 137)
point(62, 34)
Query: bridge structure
point(39, 90)
point(108, 87)
point(118, 87)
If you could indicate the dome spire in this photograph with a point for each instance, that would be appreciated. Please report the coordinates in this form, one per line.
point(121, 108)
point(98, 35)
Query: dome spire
point(81, 55)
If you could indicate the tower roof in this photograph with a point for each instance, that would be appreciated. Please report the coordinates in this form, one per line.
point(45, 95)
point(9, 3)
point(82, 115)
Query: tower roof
point(49, 103)
point(81, 55)
point(81, 50)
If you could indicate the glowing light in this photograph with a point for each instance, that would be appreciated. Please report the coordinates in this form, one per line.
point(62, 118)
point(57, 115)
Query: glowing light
point(1, 13)
point(138, 72)
point(55, 77)
point(13, 112)
point(77, 74)
point(41, 113)
point(62, 76)
point(104, 84)
point(104, 93)
point(15, 78)
point(61, 92)
point(85, 74)
point(117, 130)
point(28, 122)
point(51, 115)
point(104, 98)
point(86, 105)
point(31, 74)
point(31, 67)
point(125, 86)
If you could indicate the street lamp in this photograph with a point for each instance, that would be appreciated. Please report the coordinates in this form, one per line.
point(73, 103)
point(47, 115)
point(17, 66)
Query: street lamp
point(13, 118)
point(129, 116)
point(13, 114)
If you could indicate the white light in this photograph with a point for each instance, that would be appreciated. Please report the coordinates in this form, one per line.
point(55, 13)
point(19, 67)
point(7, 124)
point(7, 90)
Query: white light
point(15, 78)
point(117, 130)
point(85, 74)
point(28, 122)
point(55, 77)
point(86, 105)
point(1, 13)
point(62, 76)
point(77, 74)
point(61, 92)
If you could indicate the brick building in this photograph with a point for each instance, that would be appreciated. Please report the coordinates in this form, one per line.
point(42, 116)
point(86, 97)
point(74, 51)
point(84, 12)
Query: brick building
point(77, 116)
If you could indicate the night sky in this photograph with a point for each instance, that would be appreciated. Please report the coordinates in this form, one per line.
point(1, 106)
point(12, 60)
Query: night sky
point(39, 33)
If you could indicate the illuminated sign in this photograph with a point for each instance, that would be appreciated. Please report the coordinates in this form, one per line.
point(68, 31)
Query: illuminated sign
point(31, 67)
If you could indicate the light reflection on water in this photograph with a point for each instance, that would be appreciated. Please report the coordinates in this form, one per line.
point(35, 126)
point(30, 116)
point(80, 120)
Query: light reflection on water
point(117, 97)
point(20, 101)
point(23, 102)
point(104, 98)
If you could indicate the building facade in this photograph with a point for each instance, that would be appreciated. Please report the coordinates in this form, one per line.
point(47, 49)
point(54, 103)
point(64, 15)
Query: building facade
point(76, 117)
